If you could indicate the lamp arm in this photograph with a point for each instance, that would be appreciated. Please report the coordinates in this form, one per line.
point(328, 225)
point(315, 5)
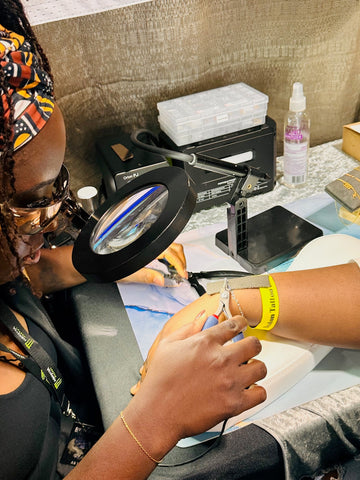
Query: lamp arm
point(246, 179)
point(204, 162)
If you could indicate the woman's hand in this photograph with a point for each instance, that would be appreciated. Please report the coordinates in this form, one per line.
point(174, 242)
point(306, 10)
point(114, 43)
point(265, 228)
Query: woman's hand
point(198, 379)
point(174, 254)
point(194, 382)
point(173, 324)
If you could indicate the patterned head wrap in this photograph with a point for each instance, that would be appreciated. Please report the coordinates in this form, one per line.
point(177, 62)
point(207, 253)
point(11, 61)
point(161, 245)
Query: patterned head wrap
point(30, 87)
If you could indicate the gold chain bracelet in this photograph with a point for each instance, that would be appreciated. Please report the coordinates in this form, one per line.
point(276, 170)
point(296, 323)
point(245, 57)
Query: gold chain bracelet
point(137, 441)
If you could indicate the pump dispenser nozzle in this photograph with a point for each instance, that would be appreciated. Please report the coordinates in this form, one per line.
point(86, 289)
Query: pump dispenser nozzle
point(298, 100)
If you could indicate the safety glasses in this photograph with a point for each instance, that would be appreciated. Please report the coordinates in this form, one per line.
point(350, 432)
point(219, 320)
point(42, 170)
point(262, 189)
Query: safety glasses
point(37, 217)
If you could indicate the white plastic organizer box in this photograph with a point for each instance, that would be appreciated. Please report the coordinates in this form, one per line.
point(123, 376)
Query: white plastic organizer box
point(212, 113)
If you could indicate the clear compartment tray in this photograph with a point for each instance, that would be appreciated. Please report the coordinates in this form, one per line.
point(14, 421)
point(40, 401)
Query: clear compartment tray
point(203, 115)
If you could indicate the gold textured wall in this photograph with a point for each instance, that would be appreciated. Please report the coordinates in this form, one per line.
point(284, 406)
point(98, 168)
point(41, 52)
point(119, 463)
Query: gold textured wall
point(112, 68)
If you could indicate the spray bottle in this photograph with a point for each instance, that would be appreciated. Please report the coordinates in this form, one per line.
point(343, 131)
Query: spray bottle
point(296, 139)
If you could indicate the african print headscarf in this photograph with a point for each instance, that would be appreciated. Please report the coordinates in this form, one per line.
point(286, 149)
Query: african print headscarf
point(30, 87)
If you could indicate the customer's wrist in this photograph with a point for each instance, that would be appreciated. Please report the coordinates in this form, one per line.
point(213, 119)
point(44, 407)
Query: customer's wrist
point(250, 301)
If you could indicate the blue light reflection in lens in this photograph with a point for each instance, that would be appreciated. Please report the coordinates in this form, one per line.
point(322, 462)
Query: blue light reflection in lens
point(116, 230)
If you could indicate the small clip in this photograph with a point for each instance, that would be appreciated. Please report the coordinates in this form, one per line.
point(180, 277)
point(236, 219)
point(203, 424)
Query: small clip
point(172, 278)
point(224, 307)
point(224, 300)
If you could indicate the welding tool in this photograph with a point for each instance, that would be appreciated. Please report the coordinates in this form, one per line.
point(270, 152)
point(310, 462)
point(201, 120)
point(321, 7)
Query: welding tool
point(224, 307)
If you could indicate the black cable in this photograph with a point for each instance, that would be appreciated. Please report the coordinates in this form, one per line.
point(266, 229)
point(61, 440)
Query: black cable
point(213, 445)
point(220, 274)
point(183, 157)
point(204, 162)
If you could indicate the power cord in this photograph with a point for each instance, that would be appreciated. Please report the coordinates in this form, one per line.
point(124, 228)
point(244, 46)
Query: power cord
point(212, 446)
point(154, 148)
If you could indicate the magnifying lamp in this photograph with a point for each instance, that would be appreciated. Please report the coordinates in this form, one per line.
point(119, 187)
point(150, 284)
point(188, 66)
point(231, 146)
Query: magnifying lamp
point(141, 219)
point(134, 225)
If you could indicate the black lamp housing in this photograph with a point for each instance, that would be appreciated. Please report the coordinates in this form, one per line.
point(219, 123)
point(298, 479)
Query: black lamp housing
point(110, 267)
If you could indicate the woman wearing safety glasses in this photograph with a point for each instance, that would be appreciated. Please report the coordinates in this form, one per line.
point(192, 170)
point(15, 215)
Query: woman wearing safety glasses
point(193, 379)
point(41, 376)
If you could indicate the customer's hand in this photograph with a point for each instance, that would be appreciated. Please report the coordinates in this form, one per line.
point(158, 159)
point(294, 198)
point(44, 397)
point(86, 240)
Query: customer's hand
point(174, 254)
point(198, 379)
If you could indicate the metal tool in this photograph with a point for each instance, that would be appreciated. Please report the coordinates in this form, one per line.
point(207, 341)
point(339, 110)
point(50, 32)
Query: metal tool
point(174, 279)
point(224, 307)
point(193, 277)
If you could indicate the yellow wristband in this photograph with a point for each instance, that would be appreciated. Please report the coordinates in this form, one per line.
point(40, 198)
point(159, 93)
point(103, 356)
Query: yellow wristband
point(270, 306)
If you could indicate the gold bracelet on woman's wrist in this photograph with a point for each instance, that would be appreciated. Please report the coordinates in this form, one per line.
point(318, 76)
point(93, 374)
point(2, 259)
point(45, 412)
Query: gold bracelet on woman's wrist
point(138, 441)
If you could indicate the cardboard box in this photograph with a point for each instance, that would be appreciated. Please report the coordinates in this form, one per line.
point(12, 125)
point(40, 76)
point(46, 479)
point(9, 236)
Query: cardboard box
point(351, 140)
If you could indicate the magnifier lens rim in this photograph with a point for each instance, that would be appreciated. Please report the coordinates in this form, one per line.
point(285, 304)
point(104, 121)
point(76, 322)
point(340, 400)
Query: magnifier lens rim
point(179, 207)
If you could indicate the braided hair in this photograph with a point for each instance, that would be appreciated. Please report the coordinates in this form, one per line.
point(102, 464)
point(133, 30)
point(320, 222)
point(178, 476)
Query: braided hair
point(12, 17)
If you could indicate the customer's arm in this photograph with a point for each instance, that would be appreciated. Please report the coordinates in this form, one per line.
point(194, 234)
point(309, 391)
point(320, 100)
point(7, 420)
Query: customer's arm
point(195, 381)
point(318, 306)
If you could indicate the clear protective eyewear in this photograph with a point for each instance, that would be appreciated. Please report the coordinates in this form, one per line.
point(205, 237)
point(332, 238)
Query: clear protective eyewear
point(35, 219)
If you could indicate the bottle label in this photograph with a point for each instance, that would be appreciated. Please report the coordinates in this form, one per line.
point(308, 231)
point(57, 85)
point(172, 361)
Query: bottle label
point(293, 134)
point(295, 162)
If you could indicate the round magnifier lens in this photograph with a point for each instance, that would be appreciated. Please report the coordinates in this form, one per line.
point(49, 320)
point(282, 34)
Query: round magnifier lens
point(128, 220)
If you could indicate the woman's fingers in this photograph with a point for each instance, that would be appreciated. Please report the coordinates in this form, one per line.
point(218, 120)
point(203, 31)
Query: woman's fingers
point(145, 275)
point(252, 371)
point(221, 333)
point(134, 389)
point(174, 254)
point(251, 397)
point(244, 349)
point(225, 331)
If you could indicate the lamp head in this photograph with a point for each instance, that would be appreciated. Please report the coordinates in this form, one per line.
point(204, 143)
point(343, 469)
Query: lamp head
point(134, 225)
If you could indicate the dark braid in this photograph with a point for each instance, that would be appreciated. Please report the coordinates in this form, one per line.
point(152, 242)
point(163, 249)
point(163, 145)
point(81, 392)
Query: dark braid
point(12, 17)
